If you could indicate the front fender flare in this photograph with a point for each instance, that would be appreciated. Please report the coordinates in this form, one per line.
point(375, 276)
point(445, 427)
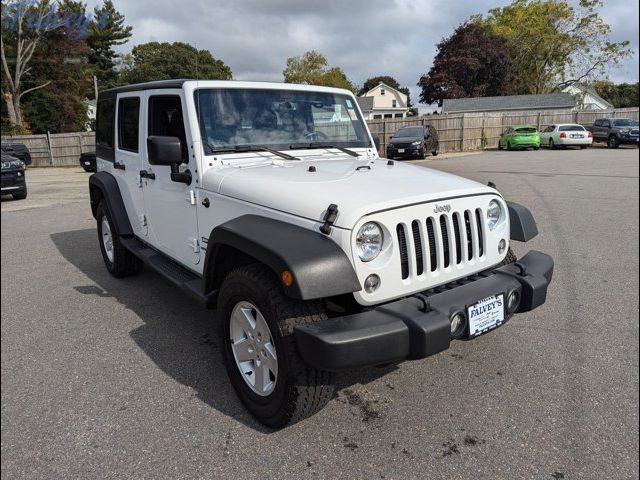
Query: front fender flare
point(521, 222)
point(319, 266)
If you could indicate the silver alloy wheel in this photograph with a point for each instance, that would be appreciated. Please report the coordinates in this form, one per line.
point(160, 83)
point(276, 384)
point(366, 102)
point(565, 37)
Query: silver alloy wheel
point(107, 238)
point(253, 348)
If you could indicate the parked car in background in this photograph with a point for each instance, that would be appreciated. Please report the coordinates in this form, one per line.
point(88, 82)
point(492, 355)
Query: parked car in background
point(13, 179)
point(615, 131)
point(18, 150)
point(565, 135)
point(88, 161)
point(519, 136)
point(414, 142)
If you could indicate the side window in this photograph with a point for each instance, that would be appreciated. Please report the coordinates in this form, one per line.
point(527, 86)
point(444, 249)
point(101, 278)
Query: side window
point(166, 120)
point(597, 123)
point(105, 129)
point(128, 123)
point(606, 123)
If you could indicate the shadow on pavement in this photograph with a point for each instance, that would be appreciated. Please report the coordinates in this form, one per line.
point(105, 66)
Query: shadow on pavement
point(178, 335)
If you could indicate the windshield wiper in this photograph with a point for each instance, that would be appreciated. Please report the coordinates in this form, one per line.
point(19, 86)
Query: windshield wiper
point(296, 146)
point(251, 148)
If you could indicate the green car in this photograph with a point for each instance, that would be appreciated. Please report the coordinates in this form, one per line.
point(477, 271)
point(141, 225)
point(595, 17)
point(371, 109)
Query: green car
point(520, 136)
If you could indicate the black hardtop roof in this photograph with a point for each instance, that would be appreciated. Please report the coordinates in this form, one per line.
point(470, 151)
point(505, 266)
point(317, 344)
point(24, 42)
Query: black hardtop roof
point(136, 87)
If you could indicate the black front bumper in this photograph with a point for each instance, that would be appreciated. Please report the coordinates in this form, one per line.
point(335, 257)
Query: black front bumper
point(417, 327)
point(13, 181)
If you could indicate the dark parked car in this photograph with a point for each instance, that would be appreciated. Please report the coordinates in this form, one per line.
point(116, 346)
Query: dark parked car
point(13, 180)
point(615, 131)
point(413, 142)
point(18, 150)
point(88, 161)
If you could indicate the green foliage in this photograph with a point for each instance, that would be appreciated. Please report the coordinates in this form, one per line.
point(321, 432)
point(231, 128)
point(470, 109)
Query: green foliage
point(312, 69)
point(387, 80)
point(555, 43)
point(106, 30)
point(165, 61)
point(623, 95)
point(470, 63)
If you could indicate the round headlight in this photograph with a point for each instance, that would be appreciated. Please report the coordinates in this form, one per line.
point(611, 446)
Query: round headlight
point(369, 241)
point(494, 214)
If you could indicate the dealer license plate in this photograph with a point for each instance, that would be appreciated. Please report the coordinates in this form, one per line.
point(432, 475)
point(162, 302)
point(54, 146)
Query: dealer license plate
point(401, 150)
point(486, 315)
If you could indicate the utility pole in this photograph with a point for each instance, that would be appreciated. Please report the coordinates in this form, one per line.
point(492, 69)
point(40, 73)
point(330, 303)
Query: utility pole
point(95, 88)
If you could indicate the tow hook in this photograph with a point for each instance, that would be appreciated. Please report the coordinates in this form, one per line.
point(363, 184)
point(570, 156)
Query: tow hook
point(329, 218)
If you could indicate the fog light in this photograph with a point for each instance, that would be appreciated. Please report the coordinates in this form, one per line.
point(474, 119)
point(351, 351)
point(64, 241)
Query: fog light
point(371, 283)
point(457, 324)
point(513, 301)
point(502, 246)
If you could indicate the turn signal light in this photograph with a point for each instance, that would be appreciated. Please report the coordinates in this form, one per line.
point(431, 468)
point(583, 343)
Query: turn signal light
point(287, 278)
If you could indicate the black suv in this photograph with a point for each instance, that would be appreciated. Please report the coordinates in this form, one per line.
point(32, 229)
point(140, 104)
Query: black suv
point(413, 142)
point(18, 150)
point(13, 181)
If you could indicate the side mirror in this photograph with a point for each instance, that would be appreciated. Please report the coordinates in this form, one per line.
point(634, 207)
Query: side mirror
point(164, 150)
point(376, 140)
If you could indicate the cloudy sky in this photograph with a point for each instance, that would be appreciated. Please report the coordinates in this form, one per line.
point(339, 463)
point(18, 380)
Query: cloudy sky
point(364, 37)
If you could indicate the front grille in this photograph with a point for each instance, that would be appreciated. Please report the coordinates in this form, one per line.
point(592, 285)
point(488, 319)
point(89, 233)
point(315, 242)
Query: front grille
point(440, 242)
point(634, 132)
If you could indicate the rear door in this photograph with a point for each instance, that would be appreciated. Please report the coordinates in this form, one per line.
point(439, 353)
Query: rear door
point(128, 157)
point(170, 206)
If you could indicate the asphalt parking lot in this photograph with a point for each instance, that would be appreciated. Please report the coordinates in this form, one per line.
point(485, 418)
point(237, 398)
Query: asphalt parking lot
point(107, 378)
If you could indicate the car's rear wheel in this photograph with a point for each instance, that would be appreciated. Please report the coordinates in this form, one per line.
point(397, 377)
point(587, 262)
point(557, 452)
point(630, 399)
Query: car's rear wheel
point(257, 322)
point(119, 261)
point(434, 153)
point(509, 146)
point(613, 142)
point(552, 145)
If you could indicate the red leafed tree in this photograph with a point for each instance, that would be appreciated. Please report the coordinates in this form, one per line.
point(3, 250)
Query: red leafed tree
point(470, 63)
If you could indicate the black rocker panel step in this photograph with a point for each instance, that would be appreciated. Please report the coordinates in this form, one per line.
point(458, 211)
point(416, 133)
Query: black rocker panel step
point(175, 273)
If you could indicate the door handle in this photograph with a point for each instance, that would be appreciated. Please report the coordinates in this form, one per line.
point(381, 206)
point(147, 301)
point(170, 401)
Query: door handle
point(149, 175)
point(119, 166)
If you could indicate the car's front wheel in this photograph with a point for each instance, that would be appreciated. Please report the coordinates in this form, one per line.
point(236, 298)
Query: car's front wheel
point(613, 142)
point(20, 195)
point(119, 261)
point(256, 333)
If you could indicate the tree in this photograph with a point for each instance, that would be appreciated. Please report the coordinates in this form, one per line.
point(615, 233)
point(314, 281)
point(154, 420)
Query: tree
point(165, 61)
point(312, 69)
point(62, 60)
point(373, 82)
point(553, 43)
point(106, 30)
point(623, 95)
point(24, 23)
point(470, 63)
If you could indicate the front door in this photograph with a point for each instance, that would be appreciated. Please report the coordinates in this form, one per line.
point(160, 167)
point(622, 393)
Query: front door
point(170, 206)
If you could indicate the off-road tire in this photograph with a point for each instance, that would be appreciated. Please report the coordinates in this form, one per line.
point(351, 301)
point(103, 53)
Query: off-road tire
point(124, 262)
point(510, 258)
point(612, 142)
point(300, 389)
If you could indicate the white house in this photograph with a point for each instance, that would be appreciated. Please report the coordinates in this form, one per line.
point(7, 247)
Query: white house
point(91, 113)
point(383, 101)
point(586, 98)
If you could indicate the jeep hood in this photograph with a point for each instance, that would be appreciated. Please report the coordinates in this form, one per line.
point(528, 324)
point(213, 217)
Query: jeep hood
point(358, 187)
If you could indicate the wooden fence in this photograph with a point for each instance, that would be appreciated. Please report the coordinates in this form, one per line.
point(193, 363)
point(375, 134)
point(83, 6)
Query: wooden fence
point(457, 132)
point(56, 149)
point(475, 131)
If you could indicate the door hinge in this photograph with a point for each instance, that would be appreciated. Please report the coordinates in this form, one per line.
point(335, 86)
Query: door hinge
point(191, 197)
point(143, 220)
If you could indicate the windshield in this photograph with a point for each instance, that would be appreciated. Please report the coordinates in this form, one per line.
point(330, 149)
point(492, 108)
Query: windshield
point(571, 128)
point(625, 122)
point(280, 119)
point(410, 132)
point(526, 130)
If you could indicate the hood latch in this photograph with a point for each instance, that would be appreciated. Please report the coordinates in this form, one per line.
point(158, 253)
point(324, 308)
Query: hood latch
point(329, 218)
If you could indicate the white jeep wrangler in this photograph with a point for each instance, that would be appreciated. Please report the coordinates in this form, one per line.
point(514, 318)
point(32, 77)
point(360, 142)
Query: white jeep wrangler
point(269, 203)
